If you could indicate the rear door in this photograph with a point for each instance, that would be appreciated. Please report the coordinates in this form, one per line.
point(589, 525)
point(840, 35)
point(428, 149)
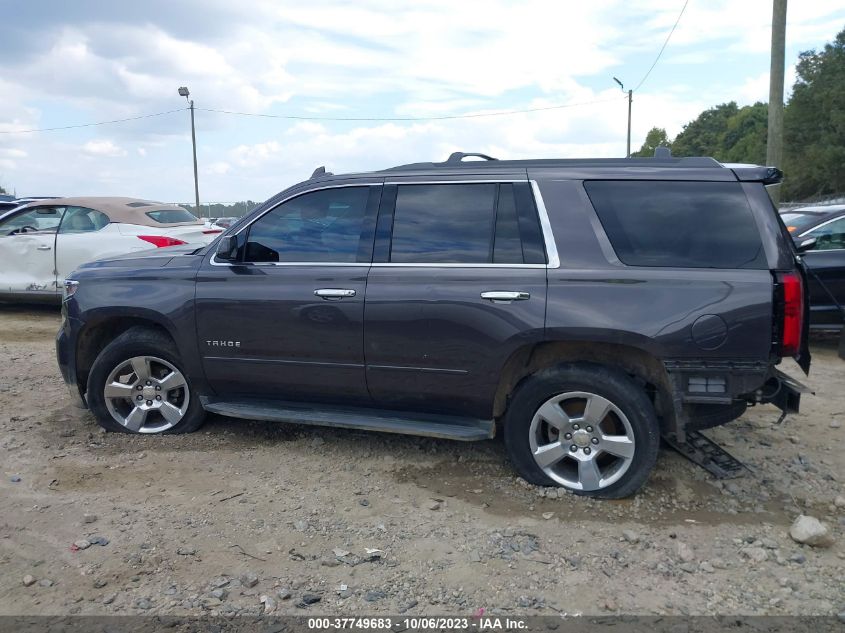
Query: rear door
point(826, 263)
point(286, 321)
point(458, 283)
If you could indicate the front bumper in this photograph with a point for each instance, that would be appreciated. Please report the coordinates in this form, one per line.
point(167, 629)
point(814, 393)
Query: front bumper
point(66, 357)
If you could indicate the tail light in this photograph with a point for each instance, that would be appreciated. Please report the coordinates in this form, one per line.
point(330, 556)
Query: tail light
point(160, 241)
point(793, 314)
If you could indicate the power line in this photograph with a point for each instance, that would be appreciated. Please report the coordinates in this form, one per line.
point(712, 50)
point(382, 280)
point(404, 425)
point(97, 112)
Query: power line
point(318, 118)
point(71, 127)
point(663, 48)
point(408, 118)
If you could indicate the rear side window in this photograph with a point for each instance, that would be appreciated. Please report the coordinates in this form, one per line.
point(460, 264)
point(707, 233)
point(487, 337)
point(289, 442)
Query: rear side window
point(171, 216)
point(478, 223)
point(678, 224)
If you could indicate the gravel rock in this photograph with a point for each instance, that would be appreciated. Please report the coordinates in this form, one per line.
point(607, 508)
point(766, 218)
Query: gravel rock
point(810, 531)
point(15, 479)
point(110, 598)
point(433, 504)
point(756, 554)
point(310, 598)
point(220, 594)
point(82, 543)
point(186, 551)
point(374, 596)
point(283, 594)
point(631, 536)
point(249, 579)
point(839, 502)
point(89, 518)
point(99, 583)
point(45, 582)
point(835, 424)
point(28, 580)
point(143, 603)
point(684, 552)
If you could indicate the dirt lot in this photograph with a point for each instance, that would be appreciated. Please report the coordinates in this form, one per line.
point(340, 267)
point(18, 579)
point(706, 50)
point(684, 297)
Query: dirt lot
point(247, 517)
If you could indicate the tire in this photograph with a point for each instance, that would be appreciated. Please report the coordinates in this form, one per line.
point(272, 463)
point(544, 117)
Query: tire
point(167, 405)
point(566, 389)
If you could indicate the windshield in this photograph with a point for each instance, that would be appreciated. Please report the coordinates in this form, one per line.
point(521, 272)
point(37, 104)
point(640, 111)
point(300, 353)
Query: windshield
point(797, 222)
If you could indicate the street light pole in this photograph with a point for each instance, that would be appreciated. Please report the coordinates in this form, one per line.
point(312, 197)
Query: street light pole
point(183, 92)
point(630, 99)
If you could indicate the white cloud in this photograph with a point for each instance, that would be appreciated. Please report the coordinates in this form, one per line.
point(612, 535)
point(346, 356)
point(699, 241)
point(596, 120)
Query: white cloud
point(103, 148)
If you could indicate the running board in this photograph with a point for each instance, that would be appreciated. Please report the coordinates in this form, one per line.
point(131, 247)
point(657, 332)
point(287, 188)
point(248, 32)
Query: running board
point(703, 451)
point(424, 424)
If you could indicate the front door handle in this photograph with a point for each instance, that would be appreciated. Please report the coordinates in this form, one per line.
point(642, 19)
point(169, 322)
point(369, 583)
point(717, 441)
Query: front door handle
point(334, 293)
point(44, 247)
point(505, 295)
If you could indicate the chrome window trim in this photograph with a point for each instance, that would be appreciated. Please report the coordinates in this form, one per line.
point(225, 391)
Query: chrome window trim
point(545, 225)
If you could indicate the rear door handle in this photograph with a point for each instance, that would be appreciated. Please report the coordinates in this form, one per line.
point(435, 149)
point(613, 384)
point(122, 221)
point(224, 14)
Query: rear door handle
point(334, 293)
point(44, 247)
point(505, 295)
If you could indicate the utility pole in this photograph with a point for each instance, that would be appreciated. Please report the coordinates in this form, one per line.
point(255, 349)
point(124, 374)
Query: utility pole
point(774, 141)
point(183, 92)
point(630, 99)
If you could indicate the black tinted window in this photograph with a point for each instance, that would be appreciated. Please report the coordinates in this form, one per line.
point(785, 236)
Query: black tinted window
point(507, 245)
point(678, 224)
point(443, 223)
point(171, 216)
point(321, 226)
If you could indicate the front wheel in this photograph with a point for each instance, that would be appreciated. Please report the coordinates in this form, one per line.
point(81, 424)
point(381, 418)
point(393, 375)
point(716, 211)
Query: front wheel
point(584, 427)
point(136, 385)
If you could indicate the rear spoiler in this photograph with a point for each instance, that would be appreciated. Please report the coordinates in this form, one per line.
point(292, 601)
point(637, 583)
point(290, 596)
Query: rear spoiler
point(754, 173)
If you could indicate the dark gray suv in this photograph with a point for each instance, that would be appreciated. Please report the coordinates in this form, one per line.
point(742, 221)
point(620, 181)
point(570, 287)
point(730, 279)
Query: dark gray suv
point(581, 308)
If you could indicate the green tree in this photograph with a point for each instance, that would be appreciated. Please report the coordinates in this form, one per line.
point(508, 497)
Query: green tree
point(656, 136)
point(814, 124)
point(726, 132)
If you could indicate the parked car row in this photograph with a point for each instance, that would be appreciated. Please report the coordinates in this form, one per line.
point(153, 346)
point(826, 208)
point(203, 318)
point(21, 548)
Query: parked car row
point(42, 241)
point(819, 234)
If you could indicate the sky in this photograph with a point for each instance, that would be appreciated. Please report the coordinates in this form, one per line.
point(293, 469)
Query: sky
point(71, 62)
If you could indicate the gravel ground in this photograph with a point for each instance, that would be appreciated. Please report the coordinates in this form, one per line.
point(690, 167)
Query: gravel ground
point(254, 518)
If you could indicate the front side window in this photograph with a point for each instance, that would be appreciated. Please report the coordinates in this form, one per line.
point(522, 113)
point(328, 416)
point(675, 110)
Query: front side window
point(678, 224)
point(82, 220)
point(829, 237)
point(320, 226)
point(45, 219)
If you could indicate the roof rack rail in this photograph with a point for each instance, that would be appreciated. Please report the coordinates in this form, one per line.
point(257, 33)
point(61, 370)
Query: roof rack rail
point(320, 171)
point(458, 157)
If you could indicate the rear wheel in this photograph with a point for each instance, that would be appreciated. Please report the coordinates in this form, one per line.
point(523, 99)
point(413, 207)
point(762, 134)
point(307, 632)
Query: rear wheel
point(584, 427)
point(136, 385)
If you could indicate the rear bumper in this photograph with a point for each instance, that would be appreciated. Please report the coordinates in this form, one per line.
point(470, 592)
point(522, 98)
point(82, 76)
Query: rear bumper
point(66, 358)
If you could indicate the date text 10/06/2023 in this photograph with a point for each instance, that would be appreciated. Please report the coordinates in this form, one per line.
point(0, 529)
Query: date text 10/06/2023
point(478, 623)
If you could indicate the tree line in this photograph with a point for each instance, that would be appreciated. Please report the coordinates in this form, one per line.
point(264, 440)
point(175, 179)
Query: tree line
point(814, 129)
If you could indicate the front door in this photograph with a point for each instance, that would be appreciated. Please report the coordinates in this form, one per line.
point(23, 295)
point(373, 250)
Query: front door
point(456, 287)
point(826, 280)
point(286, 320)
point(27, 252)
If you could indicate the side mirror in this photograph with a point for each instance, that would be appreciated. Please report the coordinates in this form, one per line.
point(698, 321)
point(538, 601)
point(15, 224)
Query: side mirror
point(227, 248)
point(806, 245)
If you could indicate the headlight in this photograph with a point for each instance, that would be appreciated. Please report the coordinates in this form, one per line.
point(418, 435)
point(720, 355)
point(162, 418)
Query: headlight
point(70, 288)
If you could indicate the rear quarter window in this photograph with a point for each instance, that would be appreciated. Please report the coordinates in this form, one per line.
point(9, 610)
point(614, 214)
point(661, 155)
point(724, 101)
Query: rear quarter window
point(171, 216)
point(678, 224)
